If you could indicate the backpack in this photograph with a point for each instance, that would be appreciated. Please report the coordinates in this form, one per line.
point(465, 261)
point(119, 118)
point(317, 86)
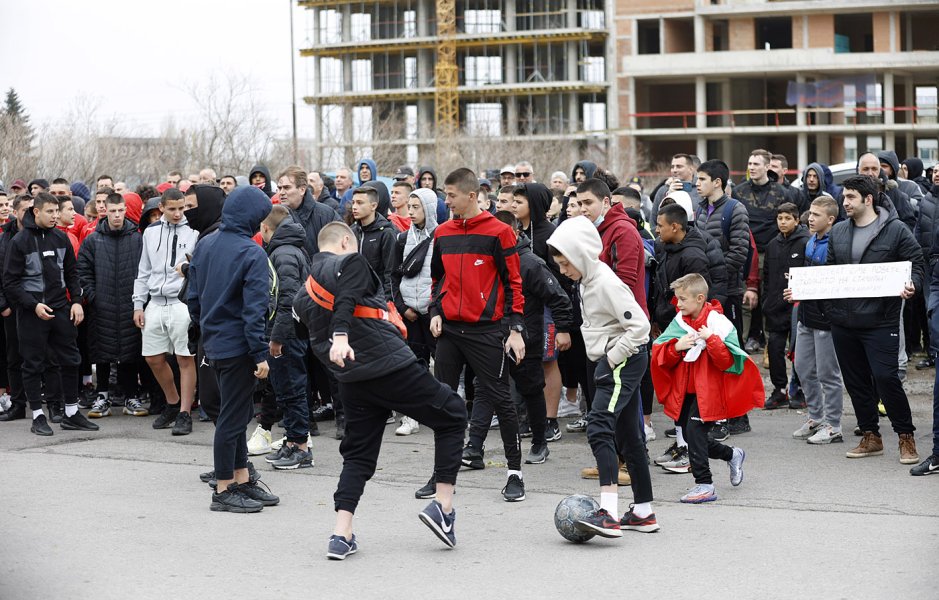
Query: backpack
point(726, 215)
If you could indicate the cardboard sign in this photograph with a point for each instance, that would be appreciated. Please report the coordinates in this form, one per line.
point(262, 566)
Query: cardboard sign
point(874, 280)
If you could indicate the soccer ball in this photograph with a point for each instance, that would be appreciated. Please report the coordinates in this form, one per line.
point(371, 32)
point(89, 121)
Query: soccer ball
point(567, 513)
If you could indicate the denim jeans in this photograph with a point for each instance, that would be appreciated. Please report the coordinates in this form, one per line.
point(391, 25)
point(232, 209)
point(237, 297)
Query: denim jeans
point(288, 378)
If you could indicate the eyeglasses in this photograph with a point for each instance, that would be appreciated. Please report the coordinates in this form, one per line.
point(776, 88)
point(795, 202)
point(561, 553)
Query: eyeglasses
point(523, 174)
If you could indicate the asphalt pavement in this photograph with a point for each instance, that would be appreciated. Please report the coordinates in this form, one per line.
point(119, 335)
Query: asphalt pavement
point(121, 513)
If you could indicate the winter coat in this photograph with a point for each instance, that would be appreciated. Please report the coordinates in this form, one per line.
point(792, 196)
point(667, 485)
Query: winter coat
point(326, 198)
point(292, 265)
point(7, 231)
point(674, 261)
point(313, 216)
point(414, 292)
point(443, 211)
point(541, 288)
point(347, 197)
point(807, 196)
point(107, 269)
point(40, 267)
point(761, 202)
point(914, 172)
point(230, 282)
point(782, 253)
point(926, 223)
point(910, 188)
point(893, 242)
point(624, 252)
point(614, 325)
point(812, 312)
point(737, 247)
point(717, 268)
point(377, 244)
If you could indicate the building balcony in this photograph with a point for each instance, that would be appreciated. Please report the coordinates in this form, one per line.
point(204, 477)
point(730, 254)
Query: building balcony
point(538, 88)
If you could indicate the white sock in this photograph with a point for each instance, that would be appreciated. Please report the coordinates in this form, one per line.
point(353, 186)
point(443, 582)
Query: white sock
point(679, 438)
point(36, 413)
point(86, 380)
point(71, 410)
point(642, 510)
point(609, 501)
point(511, 472)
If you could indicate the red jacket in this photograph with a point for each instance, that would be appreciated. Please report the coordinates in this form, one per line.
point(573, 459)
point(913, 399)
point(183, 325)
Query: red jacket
point(78, 226)
point(71, 237)
point(720, 394)
point(475, 273)
point(623, 251)
point(400, 223)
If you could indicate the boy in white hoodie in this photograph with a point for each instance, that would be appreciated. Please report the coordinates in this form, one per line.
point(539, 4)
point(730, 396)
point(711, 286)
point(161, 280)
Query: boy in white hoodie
point(616, 333)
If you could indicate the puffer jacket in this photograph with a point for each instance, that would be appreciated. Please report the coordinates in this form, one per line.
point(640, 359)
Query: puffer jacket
point(925, 228)
point(737, 247)
point(377, 245)
point(107, 268)
point(781, 254)
point(893, 242)
point(292, 265)
point(414, 292)
point(674, 261)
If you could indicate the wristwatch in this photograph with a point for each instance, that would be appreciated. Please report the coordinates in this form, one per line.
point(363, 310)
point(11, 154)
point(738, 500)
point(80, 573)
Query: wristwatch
point(517, 328)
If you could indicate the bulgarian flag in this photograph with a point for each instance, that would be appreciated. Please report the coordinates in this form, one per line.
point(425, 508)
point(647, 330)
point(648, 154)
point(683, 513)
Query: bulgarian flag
point(722, 394)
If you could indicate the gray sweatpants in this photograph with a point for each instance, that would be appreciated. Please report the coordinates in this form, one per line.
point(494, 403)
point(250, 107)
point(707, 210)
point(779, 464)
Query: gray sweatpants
point(820, 375)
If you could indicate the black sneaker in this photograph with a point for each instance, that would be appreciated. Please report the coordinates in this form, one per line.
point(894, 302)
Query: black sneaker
point(438, 522)
point(56, 411)
point(283, 452)
point(207, 476)
point(323, 413)
point(298, 459)
point(473, 458)
point(255, 492)
point(253, 476)
point(719, 432)
point(233, 500)
point(78, 422)
point(314, 429)
point(797, 402)
point(514, 490)
point(601, 523)
point(339, 547)
point(88, 396)
point(930, 466)
point(167, 418)
point(340, 429)
point(552, 432)
point(16, 412)
point(183, 425)
point(776, 400)
point(41, 426)
point(671, 433)
point(524, 430)
point(738, 425)
point(428, 491)
point(538, 454)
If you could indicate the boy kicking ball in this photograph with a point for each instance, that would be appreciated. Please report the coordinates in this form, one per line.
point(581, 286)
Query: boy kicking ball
point(615, 332)
point(701, 375)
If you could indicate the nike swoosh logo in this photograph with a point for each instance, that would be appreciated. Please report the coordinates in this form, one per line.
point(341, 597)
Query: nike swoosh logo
point(478, 262)
point(447, 528)
point(933, 467)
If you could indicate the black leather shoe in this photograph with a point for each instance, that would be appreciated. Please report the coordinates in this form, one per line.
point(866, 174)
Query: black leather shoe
point(41, 426)
point(16, 412)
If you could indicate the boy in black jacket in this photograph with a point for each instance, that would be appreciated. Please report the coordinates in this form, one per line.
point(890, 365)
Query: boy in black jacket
point(785, 250)
point(41, 281)
point(375, 234)
point(540, 288)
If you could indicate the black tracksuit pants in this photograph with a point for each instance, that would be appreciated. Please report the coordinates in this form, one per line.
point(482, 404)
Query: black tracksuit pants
point(776, 350)
point(615, 418)
point(209, 398)
point(236, 381)
point(421, 342)
point(45, 343)
point(485, 353)
point(870, 355)
point(411, 391)
point(529, 382)
point(700, 446)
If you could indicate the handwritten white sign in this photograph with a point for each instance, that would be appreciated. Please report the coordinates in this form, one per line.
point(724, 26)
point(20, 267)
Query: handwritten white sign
point(873, 280)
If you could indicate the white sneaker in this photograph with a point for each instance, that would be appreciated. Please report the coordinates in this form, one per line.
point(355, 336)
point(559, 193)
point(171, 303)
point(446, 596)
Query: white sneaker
point(826, 434)
point(650, 433)
point(408, 426)
point(5, 403)
point(259, 442)
point(568, 409)
point(494, 423)
point(807, 430)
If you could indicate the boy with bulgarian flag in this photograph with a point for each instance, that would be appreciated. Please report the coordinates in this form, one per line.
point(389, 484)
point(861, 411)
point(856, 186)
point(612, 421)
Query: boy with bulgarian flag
point(701, 375)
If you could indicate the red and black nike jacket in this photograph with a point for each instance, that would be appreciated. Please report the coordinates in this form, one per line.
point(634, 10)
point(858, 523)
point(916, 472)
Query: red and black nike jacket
point(475, 272)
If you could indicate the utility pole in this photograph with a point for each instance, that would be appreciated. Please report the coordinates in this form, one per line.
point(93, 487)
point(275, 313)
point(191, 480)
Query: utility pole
point(293, 87)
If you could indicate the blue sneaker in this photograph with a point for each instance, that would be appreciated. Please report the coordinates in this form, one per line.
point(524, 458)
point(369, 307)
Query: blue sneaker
point(703, 492)
point(440, 523)
point(340, 547)
point(736, 466)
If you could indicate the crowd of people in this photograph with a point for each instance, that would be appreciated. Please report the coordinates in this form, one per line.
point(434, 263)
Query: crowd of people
point(295, 299)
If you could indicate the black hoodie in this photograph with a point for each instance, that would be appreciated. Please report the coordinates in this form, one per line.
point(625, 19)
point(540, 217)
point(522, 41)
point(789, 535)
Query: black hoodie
point(377, 244)
point(541, 288)
point(674, 261)
point(589, 168)
point(443, 213)
point(292, 264)
point(782, 253)
point(206, 217)
point(40, 266)
point(539, 227)
point(267, 188)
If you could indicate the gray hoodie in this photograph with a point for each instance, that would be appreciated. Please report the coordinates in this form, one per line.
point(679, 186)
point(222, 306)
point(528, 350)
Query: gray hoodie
point(164, 247)
point(615, 326)
point(415, 291)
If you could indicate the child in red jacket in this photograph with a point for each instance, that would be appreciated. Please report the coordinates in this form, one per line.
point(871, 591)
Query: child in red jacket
point(701, 375)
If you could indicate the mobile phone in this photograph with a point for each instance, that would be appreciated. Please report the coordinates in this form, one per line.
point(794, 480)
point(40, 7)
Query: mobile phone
point(687, 186)
point(511, 354)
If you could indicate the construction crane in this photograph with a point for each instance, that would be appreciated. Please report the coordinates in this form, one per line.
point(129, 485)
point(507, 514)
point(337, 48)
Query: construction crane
point(446, 73)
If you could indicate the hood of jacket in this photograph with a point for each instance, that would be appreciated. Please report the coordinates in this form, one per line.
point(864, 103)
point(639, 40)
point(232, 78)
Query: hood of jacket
point(539, 201)
point(267, 188)
point(244, 210)
point(384, 197)
point(579, 241)
point(616, 214)
point(914, 168)
point(589, 167)
point(429, 203)
point(151, 205)
point(134, 206)
point(889, 157)
point(372, 167)
point(820, 173)
point(683, 199)
point(209, 211)
point(420, 173)
point(289, 233)
point(104, 229)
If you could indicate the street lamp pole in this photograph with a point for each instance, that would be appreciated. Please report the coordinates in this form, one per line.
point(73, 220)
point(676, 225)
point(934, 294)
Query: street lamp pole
point(293, 86)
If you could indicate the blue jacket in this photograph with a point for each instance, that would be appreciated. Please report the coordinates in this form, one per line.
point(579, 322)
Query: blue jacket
point(229, 280)
point(347, 197)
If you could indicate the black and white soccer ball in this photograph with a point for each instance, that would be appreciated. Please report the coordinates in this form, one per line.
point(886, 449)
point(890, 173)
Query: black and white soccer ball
point(569, 511)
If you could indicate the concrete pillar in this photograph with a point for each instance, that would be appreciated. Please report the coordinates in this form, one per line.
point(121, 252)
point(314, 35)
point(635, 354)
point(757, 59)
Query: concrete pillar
point(425, 118)
point(822, 149)
point(612, 99)
point(802, 140)
point(508, 15)
point(572, 63)
point(510, 75)
point(423, 17)
point(572, 14)
point(573, 118)
point(700, 31)
point(700, 102)
point(726, 102)
point(701, 147)
point(346, 23)
point(661, 36)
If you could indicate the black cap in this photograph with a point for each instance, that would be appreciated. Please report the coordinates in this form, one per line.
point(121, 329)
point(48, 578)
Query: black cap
point(403, 172)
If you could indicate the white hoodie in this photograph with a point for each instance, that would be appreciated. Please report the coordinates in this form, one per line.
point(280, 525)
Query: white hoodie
point(614, 324)
point(157, 280)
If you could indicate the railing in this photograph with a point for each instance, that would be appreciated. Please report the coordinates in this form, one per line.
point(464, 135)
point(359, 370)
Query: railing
point(779, 117)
